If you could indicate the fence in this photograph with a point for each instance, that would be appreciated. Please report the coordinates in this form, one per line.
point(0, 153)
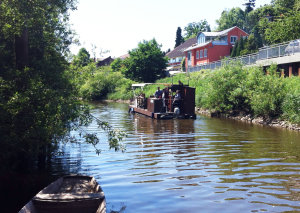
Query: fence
point(273, 51)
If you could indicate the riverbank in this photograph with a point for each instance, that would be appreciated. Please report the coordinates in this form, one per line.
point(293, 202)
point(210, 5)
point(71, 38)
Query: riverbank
point(238, 116)
point(273, 122)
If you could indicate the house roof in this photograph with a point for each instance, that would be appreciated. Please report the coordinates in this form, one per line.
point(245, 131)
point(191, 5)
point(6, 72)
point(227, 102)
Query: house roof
point(197, 46)
point(221, 33)
point(212, 34)
point(179, 51)
point(124, 56)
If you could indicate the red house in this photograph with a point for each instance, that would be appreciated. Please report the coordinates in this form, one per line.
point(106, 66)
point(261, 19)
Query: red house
point(212, 46)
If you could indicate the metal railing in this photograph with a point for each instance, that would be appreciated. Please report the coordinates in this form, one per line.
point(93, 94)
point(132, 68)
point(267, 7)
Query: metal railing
point(268, 52)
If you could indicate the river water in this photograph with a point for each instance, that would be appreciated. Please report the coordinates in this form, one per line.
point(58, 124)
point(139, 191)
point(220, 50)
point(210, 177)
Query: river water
point(202, 165)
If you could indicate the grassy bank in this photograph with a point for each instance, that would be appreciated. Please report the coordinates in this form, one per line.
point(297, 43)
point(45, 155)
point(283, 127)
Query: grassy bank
point(235, 88)
point(231, 89)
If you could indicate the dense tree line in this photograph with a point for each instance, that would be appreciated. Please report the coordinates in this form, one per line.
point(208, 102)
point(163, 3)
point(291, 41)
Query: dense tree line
point(38, 101)
point(39, 93)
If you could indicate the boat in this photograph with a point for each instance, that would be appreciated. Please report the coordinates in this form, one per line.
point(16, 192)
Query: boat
point(166, 108)
point(74, 193)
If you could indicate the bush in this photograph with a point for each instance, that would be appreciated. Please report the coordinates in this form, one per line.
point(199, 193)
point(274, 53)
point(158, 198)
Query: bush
point(267, 95)
point(291, 101)
point(106, 84)
point(241, 89)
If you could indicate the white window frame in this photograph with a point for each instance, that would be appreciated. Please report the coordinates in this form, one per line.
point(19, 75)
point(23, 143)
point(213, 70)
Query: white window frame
point(201, 53)
point(201, 38)
point(189, 55)
point(197, 55)
point(205, 53)
point(231, 39)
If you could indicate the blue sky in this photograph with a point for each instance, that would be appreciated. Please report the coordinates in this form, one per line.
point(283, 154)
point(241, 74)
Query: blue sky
point(119, 25)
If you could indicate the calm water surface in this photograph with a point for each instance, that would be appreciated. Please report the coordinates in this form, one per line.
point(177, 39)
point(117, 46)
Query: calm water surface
point(202, 165)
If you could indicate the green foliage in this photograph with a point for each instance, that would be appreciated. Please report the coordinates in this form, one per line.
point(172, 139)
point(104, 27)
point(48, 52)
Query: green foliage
point(82, 58)
point(116, 65)
point(224, 90)
point(267, 93)
point(231, 18)
point(38, 101)
point(235, 88)
point(183, 65)
point(285, 28)
point(193, 28)
point(146, 63)
point(234, 50)
point(106, 84)
point(81, 74)
point(179, 39)
point(291, 102)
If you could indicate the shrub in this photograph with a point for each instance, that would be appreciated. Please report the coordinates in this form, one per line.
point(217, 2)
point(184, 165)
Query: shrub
point(291, 102)
point(265, 92)
point(106, 84)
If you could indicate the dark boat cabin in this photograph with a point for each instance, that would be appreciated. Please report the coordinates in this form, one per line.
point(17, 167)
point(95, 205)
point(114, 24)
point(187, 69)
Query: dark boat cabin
point(176, 101)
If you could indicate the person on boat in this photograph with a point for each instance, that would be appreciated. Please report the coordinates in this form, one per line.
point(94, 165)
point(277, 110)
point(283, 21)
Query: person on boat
point(158, 93)
point(177, 99)
point(142, 100)
point(165, 97)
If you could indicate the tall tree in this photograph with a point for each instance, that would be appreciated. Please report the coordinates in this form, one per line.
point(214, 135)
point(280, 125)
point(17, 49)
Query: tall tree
point(231, 18)
point(233, 51)
point(250, 4)
point(240, 46)
point(179, 39)
point(146, 63)
point(82, 58)
point(192, 29)
point(38, 102)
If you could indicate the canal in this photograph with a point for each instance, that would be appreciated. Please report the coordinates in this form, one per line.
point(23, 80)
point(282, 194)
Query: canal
point(202, 165)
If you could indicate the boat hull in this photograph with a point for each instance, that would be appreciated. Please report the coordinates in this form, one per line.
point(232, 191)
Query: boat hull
point(74, 194)
point(160, 115)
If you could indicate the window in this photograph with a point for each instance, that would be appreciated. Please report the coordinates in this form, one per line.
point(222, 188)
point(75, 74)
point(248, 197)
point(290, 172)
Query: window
point(189, 55)
point(205, 52)
point(201, 53)
point(197, 55)
point(201, 38)
point(233, 39)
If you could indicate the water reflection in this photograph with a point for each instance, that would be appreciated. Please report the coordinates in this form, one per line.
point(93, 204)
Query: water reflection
point(202, 165)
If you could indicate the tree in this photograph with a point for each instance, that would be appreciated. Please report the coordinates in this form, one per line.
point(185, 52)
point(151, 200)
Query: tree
point(283, 29)
point(179, 39)
point(146, 63)
point(38, 101)
point(250, 4)
point(240, 46)
point(233, 51)
point(231, 18)
point(192, 29)
point(82, 58)
point(116, 65)
point(251, 45)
